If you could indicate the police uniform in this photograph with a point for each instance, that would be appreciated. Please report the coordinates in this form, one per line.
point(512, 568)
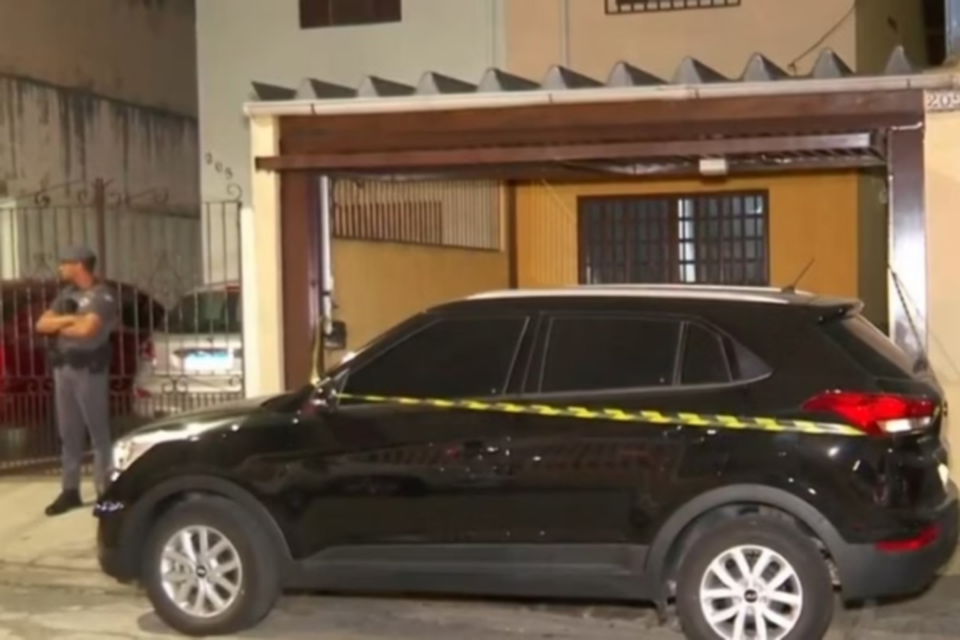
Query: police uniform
point(81, 375)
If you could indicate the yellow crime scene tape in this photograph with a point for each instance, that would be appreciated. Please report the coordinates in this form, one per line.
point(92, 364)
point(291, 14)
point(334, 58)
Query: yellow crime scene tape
point(708, 421)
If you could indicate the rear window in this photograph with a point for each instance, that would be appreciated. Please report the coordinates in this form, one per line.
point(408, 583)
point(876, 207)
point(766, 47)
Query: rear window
point(871, 348)
point(205, 313)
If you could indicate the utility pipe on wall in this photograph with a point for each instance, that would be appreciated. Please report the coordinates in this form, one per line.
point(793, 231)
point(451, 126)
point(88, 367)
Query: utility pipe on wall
point(326, 263)
point(252, 383)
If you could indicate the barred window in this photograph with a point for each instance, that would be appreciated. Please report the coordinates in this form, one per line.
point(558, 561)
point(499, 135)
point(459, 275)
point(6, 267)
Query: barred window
point(650, 6)
point(710, 238)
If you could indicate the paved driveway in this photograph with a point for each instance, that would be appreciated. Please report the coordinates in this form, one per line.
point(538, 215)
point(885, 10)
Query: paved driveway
point(43, 612)
point(51, 587)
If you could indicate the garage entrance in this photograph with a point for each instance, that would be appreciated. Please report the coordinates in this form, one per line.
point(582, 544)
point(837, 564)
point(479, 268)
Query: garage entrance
point(755, 183)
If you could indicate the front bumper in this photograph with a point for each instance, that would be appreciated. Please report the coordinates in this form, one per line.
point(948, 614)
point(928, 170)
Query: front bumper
point(116, 559)
point(112, 564)
point(868, 573)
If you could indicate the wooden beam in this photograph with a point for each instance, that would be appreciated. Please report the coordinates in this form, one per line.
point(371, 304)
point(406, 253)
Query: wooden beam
point(565, 153)
point(296, 202)
point(908, 242)
point(583, 123)
point(584, 172)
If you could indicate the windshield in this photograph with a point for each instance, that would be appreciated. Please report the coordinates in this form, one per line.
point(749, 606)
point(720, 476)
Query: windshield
point(206, 312)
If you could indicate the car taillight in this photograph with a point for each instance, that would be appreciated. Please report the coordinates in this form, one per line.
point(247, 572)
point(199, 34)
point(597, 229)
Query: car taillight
point(876, 413)
point(926, 536)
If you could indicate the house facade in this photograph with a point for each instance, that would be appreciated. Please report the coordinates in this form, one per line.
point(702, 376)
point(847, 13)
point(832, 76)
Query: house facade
point(340, 42)
point(829, 224)
point(833, 220)
point(836, 214)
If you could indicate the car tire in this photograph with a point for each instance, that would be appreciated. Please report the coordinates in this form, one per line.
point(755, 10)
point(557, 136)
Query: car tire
point(796, 607)
point(238, 576)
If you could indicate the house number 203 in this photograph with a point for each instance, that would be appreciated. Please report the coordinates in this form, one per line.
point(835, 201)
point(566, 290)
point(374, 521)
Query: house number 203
point(943, 101)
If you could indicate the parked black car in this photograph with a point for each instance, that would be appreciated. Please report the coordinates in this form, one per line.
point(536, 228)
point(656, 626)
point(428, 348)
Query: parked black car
point(739, 452)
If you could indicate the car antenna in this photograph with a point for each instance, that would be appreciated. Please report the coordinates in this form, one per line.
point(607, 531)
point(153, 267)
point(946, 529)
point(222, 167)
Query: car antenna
point(792, 287)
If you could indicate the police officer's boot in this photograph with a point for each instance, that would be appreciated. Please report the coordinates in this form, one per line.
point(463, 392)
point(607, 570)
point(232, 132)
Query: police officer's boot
point(66, 501)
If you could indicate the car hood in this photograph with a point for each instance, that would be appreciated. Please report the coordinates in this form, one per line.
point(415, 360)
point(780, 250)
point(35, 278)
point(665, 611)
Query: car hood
point(231, 413)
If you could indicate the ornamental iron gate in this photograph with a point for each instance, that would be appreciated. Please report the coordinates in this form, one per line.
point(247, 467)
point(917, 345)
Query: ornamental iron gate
point(176, 271)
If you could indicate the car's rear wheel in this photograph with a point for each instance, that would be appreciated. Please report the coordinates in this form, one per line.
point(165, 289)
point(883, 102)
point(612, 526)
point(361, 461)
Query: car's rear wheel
point(209, 569)
point(754, 578)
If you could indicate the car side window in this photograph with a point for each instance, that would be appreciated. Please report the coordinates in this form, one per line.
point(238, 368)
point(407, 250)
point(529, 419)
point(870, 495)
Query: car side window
point(587, 353)
point(704, 357)
point(450, 358)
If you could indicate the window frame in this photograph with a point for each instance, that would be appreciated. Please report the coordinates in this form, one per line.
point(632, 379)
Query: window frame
point(544, 351)
point(725, 351)
point(430, 320)
point(673, 243)
point(324, 14)
point(533, 382)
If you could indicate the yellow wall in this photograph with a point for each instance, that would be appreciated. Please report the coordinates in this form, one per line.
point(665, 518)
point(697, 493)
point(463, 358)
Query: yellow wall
point(876, 38)
point(811, 216)
point(942, 193)
point(378, 284)
point(537, 35)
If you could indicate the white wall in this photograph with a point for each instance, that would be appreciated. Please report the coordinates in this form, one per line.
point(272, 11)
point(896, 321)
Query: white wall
point(53, 136)
point(244, 40)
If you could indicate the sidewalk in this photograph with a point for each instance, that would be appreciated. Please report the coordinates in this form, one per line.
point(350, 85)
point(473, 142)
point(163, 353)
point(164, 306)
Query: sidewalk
point(62, 552)
point(39, 551)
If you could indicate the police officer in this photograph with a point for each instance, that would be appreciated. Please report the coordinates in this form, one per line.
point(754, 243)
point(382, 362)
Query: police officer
point(80, 321)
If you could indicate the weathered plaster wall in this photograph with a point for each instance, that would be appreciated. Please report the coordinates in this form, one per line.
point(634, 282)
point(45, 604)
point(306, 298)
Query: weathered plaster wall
point(53, 136)
point(141, 51)
point(101, 90)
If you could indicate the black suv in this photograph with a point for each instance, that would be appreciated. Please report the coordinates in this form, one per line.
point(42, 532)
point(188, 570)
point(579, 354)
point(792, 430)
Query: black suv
point(739, 452)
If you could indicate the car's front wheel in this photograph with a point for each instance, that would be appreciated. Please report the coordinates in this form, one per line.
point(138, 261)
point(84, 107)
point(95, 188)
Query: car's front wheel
point(208, 570)
point(754, 577)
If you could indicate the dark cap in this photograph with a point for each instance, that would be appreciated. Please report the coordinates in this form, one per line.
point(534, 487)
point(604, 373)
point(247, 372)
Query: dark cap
point(77, 254)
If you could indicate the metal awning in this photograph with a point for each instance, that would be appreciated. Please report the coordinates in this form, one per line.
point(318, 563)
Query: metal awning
point(575, 127)
point(590, 140)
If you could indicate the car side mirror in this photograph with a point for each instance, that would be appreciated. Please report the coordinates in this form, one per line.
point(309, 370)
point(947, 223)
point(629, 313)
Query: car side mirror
point(323, 398)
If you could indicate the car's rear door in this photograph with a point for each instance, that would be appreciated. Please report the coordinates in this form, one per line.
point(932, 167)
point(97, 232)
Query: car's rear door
point(596, 480)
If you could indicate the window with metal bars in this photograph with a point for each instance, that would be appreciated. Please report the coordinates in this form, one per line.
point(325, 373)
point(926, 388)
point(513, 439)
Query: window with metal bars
point(708, 238)
point(650, 6)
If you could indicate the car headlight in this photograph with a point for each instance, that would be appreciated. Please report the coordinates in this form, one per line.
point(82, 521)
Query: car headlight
point(129, 449)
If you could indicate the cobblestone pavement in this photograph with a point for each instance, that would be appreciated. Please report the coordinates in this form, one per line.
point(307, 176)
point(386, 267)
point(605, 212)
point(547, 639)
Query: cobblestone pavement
point(37, 613)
